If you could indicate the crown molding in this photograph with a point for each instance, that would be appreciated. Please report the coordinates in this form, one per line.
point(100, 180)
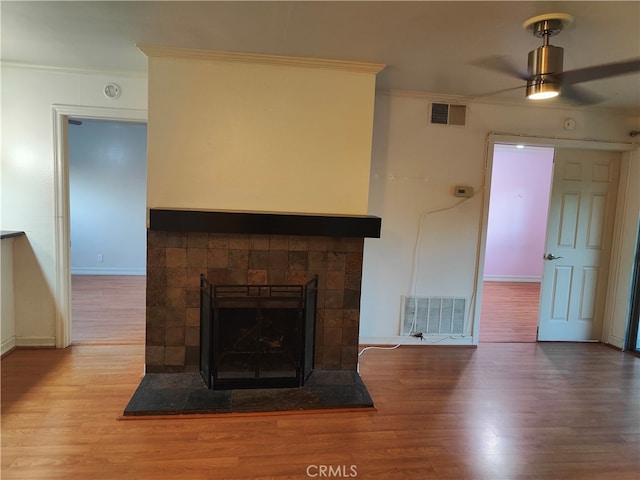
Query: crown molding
point(278, 60)
point(73, 70)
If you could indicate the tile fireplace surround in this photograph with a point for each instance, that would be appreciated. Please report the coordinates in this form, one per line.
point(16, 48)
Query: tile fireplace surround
point(235, 247)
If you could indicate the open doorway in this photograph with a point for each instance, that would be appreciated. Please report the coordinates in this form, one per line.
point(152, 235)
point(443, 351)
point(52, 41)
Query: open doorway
point(107, 212)
point(62, 228)
point(519, 201)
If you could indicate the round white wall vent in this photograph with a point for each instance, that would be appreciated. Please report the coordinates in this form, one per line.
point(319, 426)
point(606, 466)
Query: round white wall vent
point(111, 90)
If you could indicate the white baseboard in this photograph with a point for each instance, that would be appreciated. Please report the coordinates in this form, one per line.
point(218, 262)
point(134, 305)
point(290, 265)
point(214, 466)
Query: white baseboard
point(107, 271)
point(511, 278)
point(8, 345)
point(409, 340)
point(35, 341)
point(615, 341)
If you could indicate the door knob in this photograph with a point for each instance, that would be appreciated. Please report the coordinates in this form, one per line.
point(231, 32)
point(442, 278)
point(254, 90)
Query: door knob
point(550, 256)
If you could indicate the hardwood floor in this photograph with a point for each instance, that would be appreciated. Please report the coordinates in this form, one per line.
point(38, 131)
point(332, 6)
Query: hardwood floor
point(509, 312)
point(501, 411)
point(108, 309)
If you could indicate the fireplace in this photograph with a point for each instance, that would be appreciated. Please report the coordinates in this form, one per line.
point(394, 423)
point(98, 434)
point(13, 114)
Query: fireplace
point(257, 336)
point(236, 248)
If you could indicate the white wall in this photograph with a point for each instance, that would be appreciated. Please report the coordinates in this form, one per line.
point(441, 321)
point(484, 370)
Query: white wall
point(28, 202)
point(7, 310)
point(107, 191)
point(415, 166)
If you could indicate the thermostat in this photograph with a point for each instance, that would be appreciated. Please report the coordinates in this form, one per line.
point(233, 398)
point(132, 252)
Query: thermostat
point(463, 191)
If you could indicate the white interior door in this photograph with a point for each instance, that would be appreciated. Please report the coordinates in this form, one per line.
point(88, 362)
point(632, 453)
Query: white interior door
point(579, 231)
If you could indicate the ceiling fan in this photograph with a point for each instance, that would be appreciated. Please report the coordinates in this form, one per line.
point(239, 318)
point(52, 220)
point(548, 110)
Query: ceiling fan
point(545, 77)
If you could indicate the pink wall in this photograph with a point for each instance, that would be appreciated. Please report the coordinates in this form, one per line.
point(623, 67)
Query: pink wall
point(520, 187)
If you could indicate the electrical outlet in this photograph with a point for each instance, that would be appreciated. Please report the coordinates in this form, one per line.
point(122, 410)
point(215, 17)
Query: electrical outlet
point(99, 257)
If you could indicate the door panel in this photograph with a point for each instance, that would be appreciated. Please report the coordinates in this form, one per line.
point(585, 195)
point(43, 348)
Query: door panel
point(569, 220)
point(581, 214)
point(596, 221)
point(561, 289)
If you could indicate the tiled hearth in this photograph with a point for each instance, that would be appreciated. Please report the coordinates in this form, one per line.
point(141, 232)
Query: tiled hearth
point(252, 248)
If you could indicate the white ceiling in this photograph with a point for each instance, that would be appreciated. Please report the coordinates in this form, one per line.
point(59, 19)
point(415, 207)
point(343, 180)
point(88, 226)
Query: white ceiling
point(427, 46)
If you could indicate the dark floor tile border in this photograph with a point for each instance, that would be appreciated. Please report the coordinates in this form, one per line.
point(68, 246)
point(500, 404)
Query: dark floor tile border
point(186, 393)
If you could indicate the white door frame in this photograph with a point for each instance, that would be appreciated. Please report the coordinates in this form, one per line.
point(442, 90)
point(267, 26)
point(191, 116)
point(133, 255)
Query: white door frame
point(618, 228)
point(62, 227)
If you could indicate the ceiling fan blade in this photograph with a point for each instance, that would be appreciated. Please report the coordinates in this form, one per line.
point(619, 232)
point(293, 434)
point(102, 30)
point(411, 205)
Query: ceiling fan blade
point(579, 95)
point(600, 71)
point(497, 92)
point(501, 64)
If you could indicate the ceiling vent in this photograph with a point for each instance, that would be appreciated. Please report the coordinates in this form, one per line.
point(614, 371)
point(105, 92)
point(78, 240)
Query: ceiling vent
point(446, 114)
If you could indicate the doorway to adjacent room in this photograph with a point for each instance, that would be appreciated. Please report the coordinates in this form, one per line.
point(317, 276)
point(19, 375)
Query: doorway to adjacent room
point(518, 206)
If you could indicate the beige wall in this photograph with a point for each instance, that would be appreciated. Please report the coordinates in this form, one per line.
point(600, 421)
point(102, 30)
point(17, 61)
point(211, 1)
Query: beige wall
point(257, 136)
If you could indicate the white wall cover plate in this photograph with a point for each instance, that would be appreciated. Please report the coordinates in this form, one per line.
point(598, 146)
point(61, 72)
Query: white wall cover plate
point(111, 90)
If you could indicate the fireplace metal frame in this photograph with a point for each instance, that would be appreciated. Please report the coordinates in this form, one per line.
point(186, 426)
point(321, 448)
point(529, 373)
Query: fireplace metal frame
point(255, 300)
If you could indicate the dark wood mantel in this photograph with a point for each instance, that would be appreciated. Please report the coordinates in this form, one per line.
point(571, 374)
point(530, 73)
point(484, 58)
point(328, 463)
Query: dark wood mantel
point(269, 223)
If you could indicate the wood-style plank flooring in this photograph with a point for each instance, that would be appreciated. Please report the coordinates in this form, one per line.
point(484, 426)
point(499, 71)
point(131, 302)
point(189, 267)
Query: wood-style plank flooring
point(509, 312)
point(501, 411)
point(108, 309)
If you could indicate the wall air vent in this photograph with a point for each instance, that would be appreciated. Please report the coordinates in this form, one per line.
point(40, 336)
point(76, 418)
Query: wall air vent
point(446, 114)
point(433, 315)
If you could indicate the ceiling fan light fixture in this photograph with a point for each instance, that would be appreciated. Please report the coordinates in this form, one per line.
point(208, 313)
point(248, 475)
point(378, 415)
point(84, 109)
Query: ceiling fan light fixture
point(541, 90)
point(544, 67)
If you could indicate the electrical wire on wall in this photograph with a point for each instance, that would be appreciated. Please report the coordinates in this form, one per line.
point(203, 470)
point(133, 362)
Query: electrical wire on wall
point(415, 264)
point(415, 268)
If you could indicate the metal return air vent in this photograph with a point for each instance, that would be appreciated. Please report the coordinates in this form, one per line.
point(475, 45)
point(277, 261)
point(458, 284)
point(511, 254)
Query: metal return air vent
point(446, 114)
point(433, 315)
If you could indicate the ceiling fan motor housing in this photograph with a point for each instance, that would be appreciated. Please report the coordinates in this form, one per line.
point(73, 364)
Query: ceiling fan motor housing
point(544, 67)
point(545, 60)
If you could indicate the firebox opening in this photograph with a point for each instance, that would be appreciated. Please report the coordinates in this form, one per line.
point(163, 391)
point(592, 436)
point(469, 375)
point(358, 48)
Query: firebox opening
point(257, 336)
